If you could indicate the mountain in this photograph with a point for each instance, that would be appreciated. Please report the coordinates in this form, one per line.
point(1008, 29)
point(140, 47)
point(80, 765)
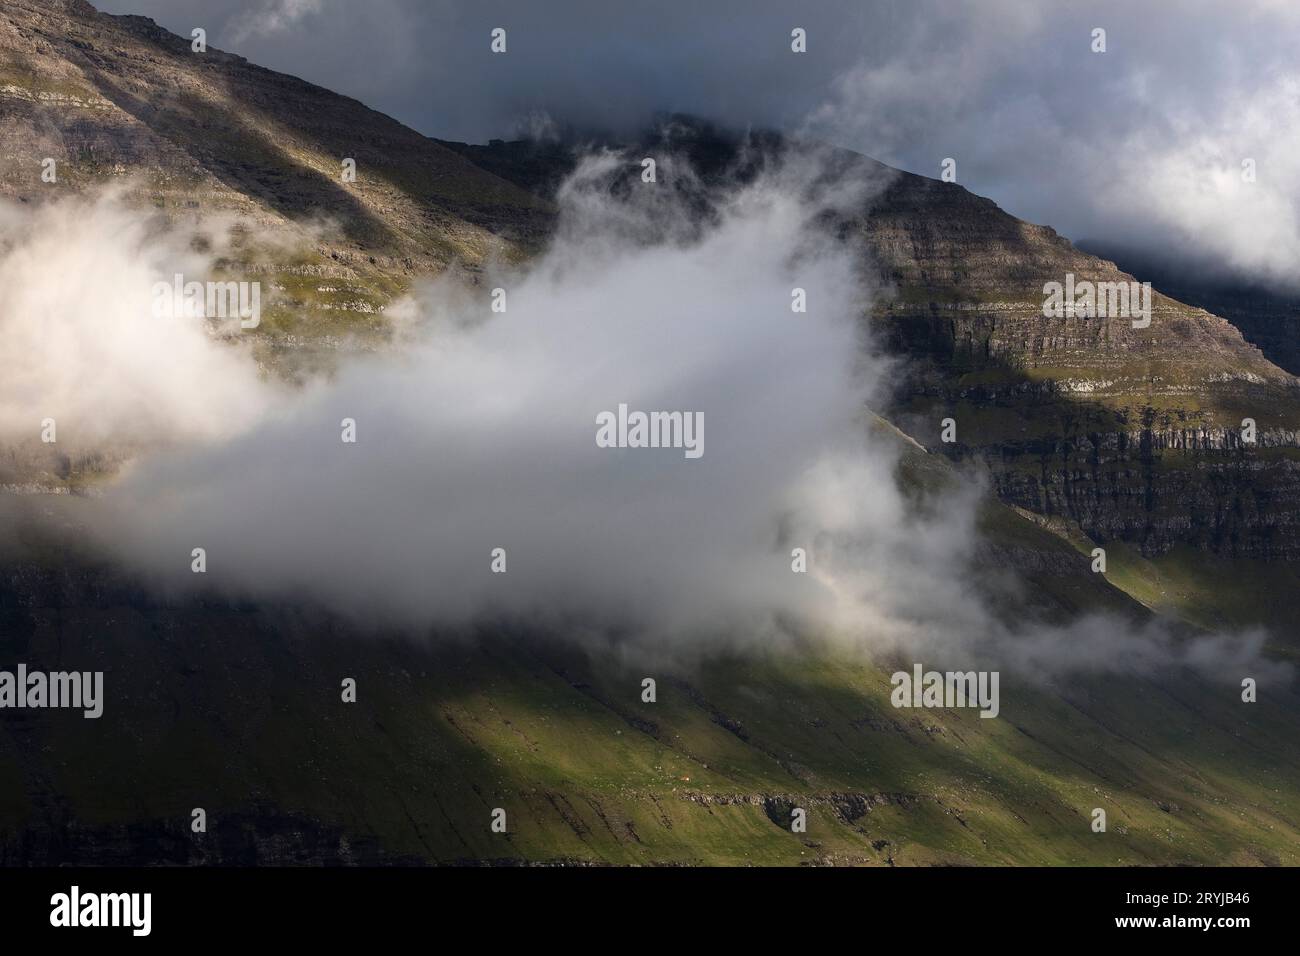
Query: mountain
point(1089, 431)
point(1128, 434)
point(120, 99)
point(1267, 315)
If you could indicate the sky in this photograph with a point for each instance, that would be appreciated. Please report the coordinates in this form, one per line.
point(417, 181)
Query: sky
point(1141, 144)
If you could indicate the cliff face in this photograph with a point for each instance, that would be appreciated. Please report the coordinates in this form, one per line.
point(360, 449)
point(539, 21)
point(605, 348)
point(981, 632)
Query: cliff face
point(1134, 433)
point(1268, 315)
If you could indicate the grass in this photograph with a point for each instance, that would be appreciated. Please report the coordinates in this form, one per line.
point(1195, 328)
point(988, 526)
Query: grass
point(239, 712)
point(421, 763)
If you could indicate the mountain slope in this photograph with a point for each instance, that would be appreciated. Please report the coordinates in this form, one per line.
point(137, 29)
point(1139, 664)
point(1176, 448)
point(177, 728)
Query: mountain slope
point(237, 710)
point(1132, 433)
point(119, 98)
point(1267, 316)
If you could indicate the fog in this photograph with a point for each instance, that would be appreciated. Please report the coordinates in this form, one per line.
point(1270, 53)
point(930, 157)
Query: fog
point(78, 344)
point(477, 431)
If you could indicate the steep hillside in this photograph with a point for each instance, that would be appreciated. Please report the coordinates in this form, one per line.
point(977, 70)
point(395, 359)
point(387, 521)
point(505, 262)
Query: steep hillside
point(1134, 433)
point(120, 99)
point(237, 710)
point(1268, 316)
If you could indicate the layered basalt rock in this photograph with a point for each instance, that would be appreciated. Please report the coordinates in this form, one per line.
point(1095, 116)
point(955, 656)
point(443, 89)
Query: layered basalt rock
point(1134, 433)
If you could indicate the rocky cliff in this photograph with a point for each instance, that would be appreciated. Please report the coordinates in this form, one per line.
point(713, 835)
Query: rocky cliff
point(1135, 433)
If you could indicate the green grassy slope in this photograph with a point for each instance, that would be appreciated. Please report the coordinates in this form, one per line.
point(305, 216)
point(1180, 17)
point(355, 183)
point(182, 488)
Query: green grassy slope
point(238, 711)
point(243, 726)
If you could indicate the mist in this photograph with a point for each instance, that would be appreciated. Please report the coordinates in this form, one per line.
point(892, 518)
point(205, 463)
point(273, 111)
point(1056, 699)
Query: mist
point(79, 345)
point(476, 494)
point(479, 432)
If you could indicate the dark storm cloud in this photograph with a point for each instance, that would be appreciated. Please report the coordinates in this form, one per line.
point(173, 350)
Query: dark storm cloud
point(595, 63)
point(1141, 144)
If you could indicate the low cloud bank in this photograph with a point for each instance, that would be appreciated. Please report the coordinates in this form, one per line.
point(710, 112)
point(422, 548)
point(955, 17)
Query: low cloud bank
point(479, 433)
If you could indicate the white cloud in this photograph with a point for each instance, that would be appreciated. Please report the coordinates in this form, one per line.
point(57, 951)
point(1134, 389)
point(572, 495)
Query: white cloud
point(79, 342)
point(479, 433)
